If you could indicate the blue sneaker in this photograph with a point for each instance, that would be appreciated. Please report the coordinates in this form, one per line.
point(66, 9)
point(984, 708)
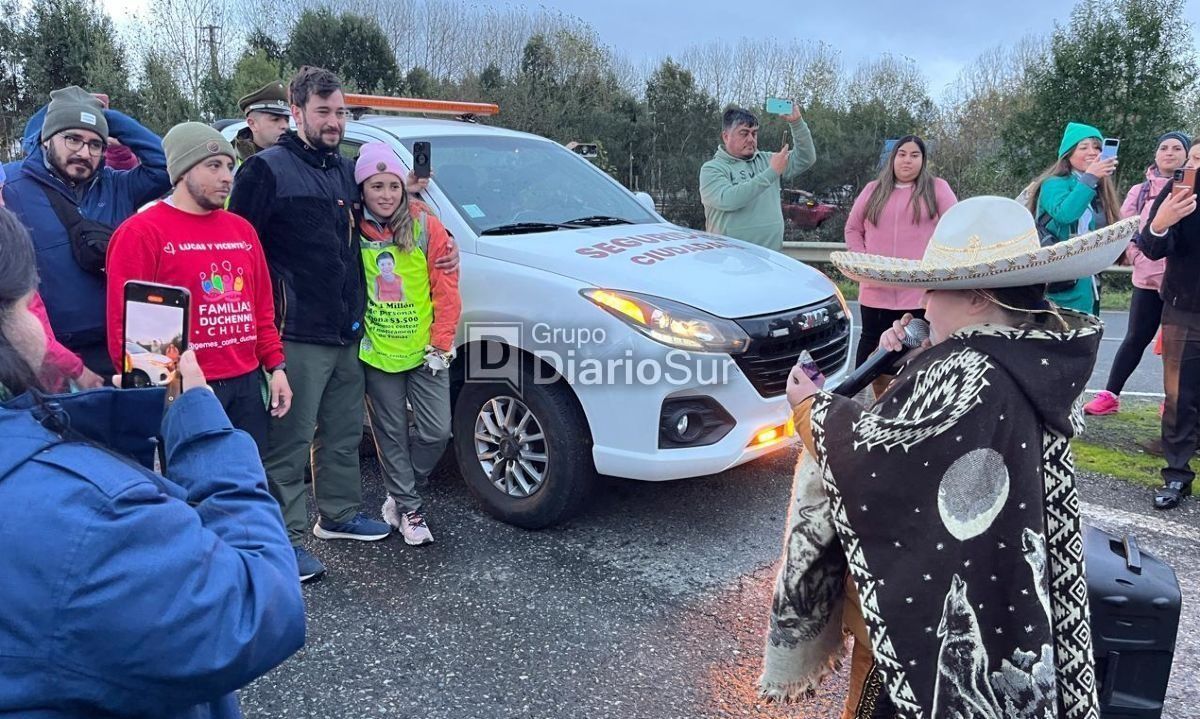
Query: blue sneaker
point(361, 527)
point(310, 566)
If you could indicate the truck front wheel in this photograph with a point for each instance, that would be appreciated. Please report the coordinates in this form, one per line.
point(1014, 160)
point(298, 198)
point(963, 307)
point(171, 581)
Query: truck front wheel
point(525, 455)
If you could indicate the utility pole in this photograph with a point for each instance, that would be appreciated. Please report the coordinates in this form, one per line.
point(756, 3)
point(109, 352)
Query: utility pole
point(213, 70)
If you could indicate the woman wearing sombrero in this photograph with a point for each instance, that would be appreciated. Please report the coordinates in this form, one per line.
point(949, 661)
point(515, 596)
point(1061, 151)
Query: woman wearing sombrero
point(941, 526)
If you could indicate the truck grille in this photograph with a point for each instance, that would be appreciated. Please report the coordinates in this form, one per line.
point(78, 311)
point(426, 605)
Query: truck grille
point(776, 341)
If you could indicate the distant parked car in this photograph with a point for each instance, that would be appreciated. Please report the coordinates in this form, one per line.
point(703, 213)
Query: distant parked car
point(148, 369)
point(804, 211)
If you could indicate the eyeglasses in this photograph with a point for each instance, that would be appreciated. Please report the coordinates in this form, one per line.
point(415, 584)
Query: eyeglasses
point(75, 143)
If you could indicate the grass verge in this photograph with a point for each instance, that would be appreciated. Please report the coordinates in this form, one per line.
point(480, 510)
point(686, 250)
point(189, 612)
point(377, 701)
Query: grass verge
point(1115, 299)
point(1115, 444)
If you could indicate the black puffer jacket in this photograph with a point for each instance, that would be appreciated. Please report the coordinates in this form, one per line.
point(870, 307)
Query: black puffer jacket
point(302, 202)
point(1181, 247)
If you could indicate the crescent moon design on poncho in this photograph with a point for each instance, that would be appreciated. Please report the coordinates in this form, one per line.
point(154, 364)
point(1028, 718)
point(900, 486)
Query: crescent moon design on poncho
point(972, 493)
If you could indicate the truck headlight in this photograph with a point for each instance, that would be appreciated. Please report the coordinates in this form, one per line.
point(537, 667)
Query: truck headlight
point(671, 323)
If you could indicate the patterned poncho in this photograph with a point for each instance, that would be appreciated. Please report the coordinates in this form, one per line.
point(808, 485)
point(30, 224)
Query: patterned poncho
point(952, 503)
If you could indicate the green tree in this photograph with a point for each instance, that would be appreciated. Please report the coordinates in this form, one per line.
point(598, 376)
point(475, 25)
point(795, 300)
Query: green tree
point(353, 46)
point(11, 88)
point(419, 83)
point(1117, 65)
point(538, 64)
point(259, 40)
point(491, 80)
point(71, 42)
point(685, 125)
point(533, 103)
point(163, 100)
point(369, 61)
point(254, 69)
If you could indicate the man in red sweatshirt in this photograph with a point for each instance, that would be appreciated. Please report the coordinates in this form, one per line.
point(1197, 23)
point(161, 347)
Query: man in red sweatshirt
point(189, 240)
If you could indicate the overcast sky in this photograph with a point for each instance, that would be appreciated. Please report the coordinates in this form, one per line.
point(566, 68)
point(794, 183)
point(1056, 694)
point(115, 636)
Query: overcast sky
point(940, 35)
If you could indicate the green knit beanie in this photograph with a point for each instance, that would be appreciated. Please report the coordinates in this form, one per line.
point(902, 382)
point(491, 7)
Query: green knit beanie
point(1076, 133)
point(190, 143)
point(73, 108)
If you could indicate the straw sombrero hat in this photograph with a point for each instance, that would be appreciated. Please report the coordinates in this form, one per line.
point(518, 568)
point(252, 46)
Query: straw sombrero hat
point(991, 242)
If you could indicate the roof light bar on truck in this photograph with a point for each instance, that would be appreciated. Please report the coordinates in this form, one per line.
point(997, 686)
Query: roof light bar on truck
point(466, 111)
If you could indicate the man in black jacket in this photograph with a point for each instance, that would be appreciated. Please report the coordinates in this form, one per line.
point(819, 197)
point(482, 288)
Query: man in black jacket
point(301, 197)
point(1174, 232)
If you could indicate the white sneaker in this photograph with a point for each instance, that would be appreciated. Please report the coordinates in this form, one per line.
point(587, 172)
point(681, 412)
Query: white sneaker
point(411, 525)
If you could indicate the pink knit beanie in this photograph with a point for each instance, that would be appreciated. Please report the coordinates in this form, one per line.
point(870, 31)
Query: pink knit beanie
point(377, 157)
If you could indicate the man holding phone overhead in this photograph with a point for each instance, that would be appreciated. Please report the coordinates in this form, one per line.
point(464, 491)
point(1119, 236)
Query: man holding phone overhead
point(189, 241)
point(740, 185)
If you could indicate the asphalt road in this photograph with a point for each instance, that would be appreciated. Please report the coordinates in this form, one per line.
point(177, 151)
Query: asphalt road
point(650, 606)
point(1146, 380)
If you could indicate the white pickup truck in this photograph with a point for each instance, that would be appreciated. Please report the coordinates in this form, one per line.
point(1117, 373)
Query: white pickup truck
point(596, 337)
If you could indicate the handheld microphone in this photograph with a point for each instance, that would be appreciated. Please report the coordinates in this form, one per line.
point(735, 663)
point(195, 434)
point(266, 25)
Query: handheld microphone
point(915, 333)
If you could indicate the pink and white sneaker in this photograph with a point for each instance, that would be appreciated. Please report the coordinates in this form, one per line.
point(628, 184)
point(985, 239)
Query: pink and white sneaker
point(1104, 402)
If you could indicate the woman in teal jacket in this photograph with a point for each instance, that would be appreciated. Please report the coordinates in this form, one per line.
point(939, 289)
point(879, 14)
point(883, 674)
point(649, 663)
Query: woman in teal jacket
point(1076, 195)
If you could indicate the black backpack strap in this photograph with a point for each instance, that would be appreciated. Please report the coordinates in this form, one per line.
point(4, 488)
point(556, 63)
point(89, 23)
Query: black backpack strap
point(66, 211)
point(89, 238)
point(1045, 236)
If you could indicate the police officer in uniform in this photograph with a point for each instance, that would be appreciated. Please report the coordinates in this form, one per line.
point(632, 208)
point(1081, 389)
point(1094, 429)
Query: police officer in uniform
point(267, 114)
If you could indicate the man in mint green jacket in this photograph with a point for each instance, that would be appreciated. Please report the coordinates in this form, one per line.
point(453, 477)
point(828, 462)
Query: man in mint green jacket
point(740, 185)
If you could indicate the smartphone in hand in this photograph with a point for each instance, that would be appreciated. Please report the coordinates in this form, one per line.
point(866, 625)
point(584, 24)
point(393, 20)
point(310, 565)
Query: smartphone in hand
point(806, 362)
point(421, 163)
point(780, 106)
point(1184, 181)
point(156, 332)
point(1109, 149)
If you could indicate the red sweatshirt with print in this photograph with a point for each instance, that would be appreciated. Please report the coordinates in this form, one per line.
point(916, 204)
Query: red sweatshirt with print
point(218, 259)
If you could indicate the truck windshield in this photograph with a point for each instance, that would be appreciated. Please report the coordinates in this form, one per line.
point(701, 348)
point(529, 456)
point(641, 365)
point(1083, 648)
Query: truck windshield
point(511, 185)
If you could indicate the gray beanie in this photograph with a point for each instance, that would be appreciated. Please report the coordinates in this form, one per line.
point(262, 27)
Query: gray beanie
point(73, 108)
point(190, 143)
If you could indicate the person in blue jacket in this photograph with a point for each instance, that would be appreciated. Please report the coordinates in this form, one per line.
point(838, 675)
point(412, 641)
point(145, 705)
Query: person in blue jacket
point(66, 141)
point(126, 593)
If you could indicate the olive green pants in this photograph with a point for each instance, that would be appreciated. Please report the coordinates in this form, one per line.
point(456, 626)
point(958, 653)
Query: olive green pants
point(325, 423)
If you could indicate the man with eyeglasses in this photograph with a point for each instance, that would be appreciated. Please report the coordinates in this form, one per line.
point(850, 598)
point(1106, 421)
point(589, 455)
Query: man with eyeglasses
point(71, 201)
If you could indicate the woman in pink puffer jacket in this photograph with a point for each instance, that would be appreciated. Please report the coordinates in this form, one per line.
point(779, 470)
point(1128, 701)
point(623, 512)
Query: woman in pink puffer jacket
point(1145, 308)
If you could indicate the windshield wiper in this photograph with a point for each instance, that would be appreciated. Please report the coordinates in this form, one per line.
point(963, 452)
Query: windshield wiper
point(598, 221)
point(521, 228)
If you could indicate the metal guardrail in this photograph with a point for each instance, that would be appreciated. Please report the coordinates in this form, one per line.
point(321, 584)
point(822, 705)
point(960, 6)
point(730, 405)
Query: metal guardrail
point(819, 252)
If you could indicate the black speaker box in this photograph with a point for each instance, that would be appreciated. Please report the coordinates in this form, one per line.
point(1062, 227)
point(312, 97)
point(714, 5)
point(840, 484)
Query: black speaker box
point(1135, 603)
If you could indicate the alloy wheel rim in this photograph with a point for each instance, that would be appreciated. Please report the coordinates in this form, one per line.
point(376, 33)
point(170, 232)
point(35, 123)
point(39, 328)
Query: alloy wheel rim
point(510, 445)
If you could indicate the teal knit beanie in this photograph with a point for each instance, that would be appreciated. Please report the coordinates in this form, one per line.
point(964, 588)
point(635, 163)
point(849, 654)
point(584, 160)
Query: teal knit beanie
point(1076, 133)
